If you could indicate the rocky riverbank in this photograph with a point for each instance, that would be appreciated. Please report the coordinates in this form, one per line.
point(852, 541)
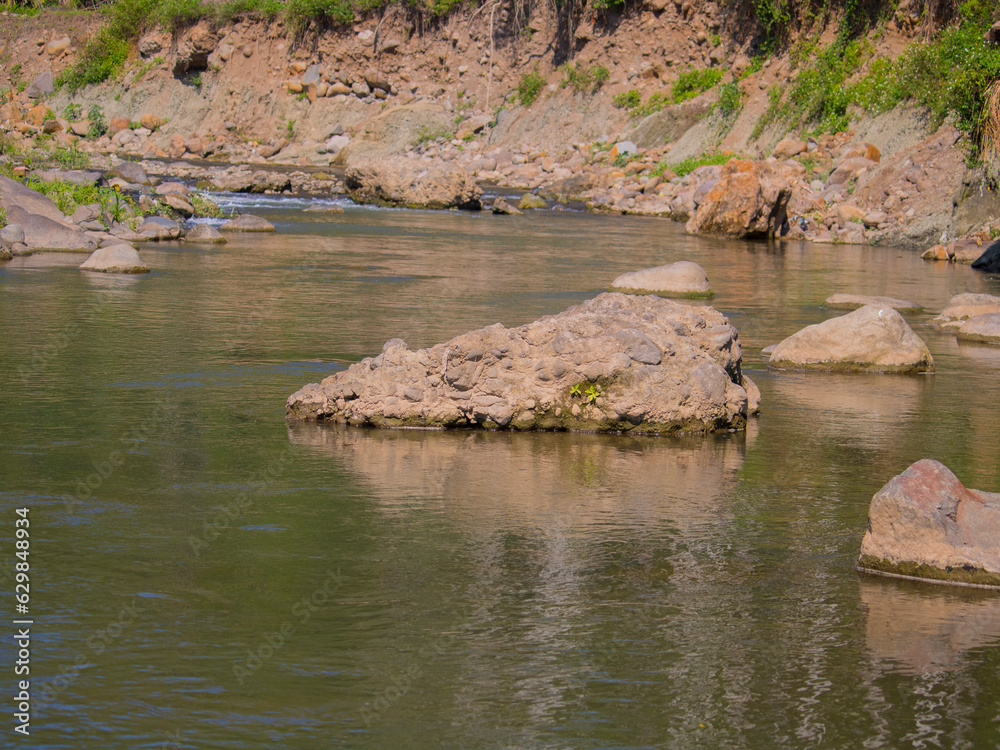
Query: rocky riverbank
point(377, 100)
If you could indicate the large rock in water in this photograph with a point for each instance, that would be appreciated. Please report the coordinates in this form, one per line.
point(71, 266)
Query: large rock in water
point(43, 233)
point(871, 339)
point(413, 183)
point(682, 278)
point(981, 328)
point(750, 200)
point(120, 258)
point(613, 363)
point(964, 306)
point(989, 261)
point(925, 523)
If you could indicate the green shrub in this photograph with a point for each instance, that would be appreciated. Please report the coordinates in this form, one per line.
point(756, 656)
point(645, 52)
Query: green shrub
point(530, 87)
point(73, 112)
point(98, 125)
point(694, 82)
point(730, 99)
point(70, 158)
point(686, 167)
point(627, 99)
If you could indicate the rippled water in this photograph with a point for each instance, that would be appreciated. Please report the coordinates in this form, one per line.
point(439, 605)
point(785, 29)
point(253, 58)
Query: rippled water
point(225, 580)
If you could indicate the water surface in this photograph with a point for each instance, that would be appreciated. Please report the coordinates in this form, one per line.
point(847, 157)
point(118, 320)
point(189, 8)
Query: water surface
point(204, 575)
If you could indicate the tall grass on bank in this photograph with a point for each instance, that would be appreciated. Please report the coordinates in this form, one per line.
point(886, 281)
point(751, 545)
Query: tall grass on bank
point(950, 76)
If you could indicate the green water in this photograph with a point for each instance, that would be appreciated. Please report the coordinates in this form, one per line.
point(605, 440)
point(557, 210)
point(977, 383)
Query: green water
point(227, 581)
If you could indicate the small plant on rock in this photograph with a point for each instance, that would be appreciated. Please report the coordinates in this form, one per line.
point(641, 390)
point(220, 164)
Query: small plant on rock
point(530, 87)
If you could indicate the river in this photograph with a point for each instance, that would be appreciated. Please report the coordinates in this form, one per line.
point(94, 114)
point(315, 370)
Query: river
point(205, 576)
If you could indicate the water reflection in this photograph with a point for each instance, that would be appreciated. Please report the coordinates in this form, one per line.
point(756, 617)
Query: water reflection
point(927, 628)
point(583, 480)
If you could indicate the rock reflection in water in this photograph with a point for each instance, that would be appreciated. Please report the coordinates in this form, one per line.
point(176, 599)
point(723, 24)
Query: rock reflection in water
point(927, 628)
point(526, 477)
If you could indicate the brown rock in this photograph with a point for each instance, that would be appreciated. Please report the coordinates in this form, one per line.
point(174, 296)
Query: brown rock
point(855, 301)
point(116, 125)
point(58, 45)
point(605, 356)
point(749, 200)
point(150, 122)
point(961, 307)
point(788, 148)
point(38, 114)
point(981, 328)
point(177, 146)
point(862, 150)
point(925, 523)
point(680, 279)
point(395, 181)
point(870, 339)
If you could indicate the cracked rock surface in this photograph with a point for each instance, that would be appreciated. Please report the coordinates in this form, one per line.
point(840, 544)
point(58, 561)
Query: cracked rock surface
point(613, 363)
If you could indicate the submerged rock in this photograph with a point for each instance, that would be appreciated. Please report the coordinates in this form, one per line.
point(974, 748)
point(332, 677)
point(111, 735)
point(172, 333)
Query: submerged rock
point(854, 301)
point(120, 258)
point(682, 278)
point(248, 223)
point(925, 523)
point(871, 339)
point(961, 307)
point(204, 233)
point(613, 363)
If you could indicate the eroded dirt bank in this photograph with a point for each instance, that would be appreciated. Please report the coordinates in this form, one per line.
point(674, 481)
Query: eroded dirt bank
point(389, 88)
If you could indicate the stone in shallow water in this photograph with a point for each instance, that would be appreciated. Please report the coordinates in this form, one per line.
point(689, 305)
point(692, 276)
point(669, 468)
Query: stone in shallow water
point(982, 328)
point(961, 307)
point(119, 258)
point(854, 301)
point(682, 278)
point(614, 363)
point(248, 223)
point(926, 523)
point(871, 339)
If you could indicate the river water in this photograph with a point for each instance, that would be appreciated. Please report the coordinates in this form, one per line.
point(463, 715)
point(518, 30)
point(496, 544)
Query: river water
point(205, 576)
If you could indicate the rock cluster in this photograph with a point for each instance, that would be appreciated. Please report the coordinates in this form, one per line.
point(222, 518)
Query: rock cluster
point(975, 317)
point(925, 523)
point(613, 363)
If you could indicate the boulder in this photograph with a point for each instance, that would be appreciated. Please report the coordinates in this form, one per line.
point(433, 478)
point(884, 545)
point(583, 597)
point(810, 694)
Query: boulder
point(179, 203)
point(680, 279)
point(413, 183)
point(15, 194)
point(926, 524)
point(989, 261)
point(613, 363)
point(131, 172)
point(57, 46)
point(248, 223)
point(750, 200)
point(981, 328)
point(789, 147)
point(854, 301)
point(204, 233)
point(502, 208)
point(176, 188)
point(150, 121)
point(156, 228)
point(75, 176)
point(41, 86)
point(43, 233)
point(530, 201)
point(10, 235)
point(246, 181)
point(871, 339)
point(961, 307)
point(119, 258)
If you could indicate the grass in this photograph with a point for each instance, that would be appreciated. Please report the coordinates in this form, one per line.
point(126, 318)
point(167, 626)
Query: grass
point(530, 87)
point(950, 75)
point(582, 79)
point(686, 167)
point(691, 83)
point(68, 196)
